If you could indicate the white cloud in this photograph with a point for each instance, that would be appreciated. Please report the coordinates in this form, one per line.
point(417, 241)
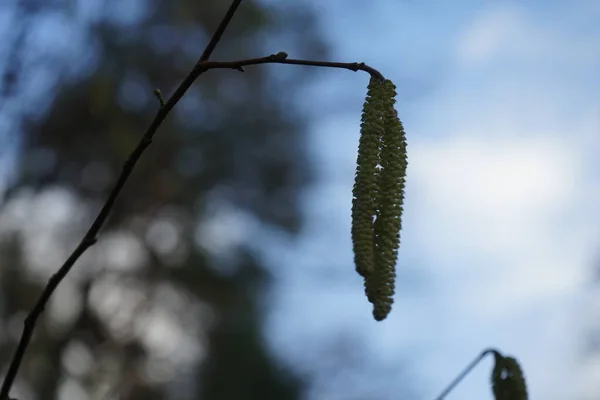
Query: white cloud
point(490, 33)
point(497, 190)
point(507, 31)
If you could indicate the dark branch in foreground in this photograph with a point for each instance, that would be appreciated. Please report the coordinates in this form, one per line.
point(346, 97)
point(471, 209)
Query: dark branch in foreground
point(90, 237)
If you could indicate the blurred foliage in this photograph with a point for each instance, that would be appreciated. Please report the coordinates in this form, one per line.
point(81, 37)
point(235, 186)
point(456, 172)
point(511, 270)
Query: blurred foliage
point(169, 303)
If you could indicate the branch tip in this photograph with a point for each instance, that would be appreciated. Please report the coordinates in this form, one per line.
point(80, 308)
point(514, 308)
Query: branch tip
point(159, 96)
point(282, 55)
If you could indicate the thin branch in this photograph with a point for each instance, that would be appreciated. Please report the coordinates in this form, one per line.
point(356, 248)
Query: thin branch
point(91, 236)
point(210, 47)
point(464, 373)
point(281, 58)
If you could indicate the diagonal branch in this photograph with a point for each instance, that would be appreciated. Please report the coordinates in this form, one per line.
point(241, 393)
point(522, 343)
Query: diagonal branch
point(216, 37)
point(91, 236)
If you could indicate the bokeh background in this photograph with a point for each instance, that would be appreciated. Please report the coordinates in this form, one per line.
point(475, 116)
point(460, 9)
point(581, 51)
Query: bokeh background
point(225, 270)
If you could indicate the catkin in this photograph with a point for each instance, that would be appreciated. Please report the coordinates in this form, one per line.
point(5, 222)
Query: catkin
point(508, 382)
point(378, 195)
point(391, 181)
point(365, 182)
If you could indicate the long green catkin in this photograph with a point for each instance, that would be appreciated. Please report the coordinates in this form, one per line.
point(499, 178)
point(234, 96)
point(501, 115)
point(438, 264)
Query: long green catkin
point(365, 181)
point(391, 182)
point(508, 382)
point(378, 195)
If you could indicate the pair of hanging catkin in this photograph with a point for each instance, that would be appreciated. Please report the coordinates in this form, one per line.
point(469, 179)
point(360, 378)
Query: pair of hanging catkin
point(378, 195)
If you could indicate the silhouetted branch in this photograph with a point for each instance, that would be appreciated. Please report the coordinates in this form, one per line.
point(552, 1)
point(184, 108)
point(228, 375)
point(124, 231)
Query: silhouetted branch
point(216, 37)
point(281, 58)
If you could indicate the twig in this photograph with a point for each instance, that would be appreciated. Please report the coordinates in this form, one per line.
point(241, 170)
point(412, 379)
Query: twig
point(281, 58)
point(214, 40)
point(464, 373)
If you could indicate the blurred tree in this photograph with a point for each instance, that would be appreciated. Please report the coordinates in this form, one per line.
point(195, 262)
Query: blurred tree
point(168, 303)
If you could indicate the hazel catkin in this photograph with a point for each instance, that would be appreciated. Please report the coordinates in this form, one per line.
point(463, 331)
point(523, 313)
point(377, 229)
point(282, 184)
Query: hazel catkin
point(378, 195)
point(364, 192)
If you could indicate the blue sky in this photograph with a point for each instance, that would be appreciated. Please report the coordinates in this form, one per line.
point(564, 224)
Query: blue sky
point(501, 107)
